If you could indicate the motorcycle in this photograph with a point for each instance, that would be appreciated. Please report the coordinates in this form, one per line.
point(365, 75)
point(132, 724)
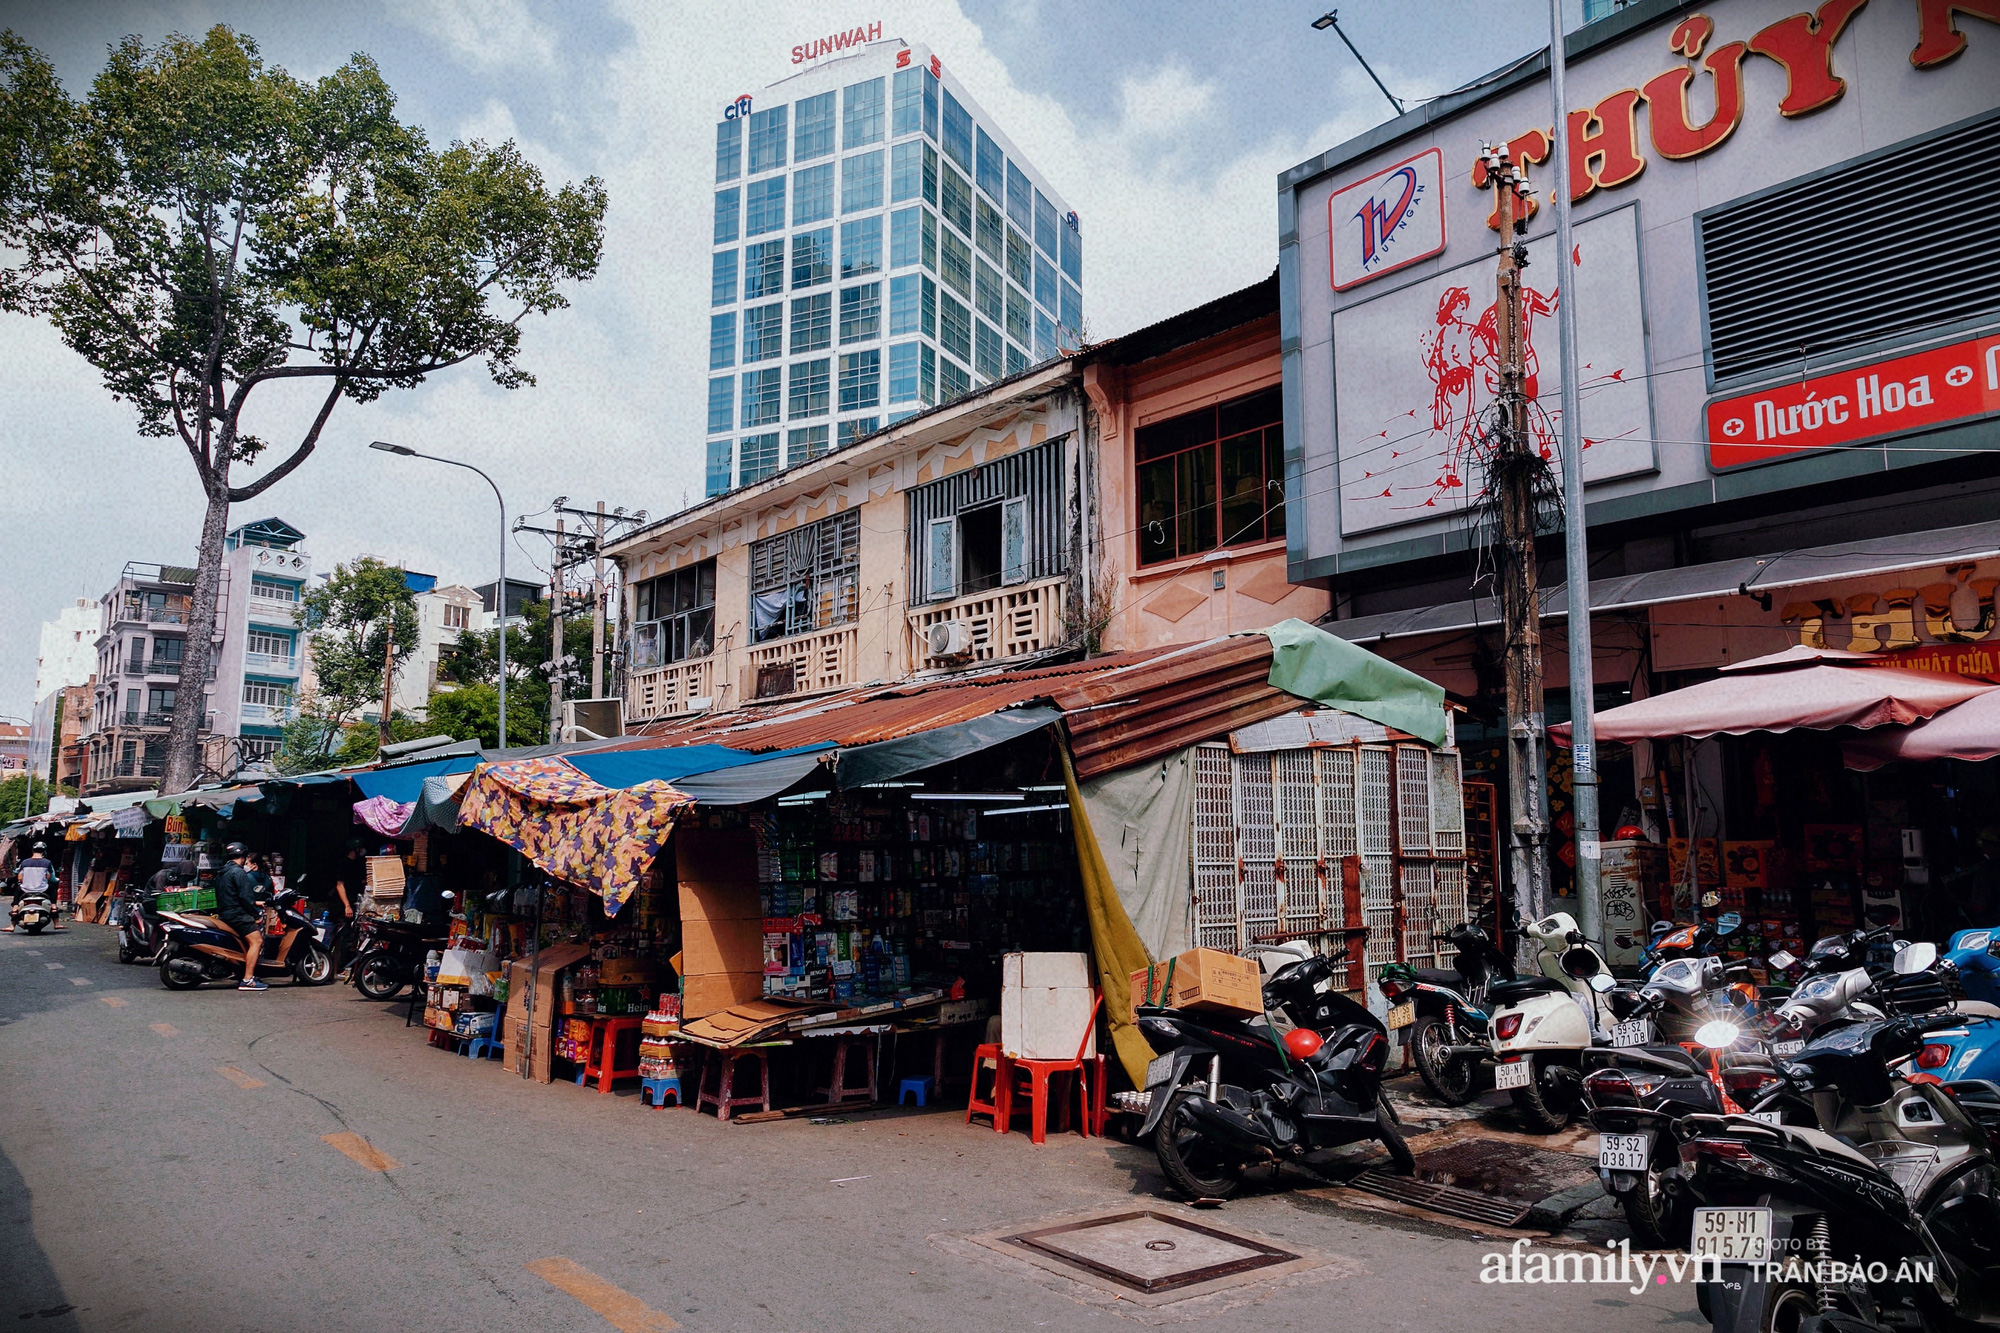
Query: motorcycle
point(1227, 1092)
point(199, 947)
point(33, 912)
point(140, 927)
point(1542, 1024)
point(389, 955)
point(1445, 1011)
point(1890, 1221)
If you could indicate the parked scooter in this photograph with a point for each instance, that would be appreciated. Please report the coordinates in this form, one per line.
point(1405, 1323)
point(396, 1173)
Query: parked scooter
point(1445, 1011)
point(33, 912)
point(200, 947)
point(1541, 1025)
point(389, 955)
point(1226, 1093)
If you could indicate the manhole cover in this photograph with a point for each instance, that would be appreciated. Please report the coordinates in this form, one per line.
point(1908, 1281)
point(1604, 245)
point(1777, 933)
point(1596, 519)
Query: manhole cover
point(1151, 1252)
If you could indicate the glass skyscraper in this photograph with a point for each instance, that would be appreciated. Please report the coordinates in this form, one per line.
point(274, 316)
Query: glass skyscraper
point(880, 248)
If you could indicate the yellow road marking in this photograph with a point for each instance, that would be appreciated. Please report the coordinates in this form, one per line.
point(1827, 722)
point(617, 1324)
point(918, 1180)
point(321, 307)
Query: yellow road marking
point(166, 1029)
point(112, 1000)
point(622, 1310)
point(238, 1077)
point(362, 1151)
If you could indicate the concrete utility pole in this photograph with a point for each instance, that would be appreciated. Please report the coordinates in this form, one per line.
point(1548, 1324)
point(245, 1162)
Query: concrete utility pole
point(597, 607)
point(1514, 469)
point(556, 636)
point(1576, 539)
point(388, 681)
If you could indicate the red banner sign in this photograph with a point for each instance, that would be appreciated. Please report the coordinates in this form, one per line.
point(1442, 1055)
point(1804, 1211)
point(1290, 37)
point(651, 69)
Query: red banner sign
point(1980, 661)
point(1944, 384)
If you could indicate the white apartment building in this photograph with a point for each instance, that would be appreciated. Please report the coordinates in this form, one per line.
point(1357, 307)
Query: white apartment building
point(68, 651)
point(880, 247)
point(443, 612)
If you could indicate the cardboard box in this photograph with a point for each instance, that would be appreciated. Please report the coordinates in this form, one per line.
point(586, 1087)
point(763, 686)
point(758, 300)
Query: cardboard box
point(718, 991)
point(1202, 980)
point(547, 996)
point(1046, 1006)
point(722, 919)
point(1747, 864)
point(724, 945)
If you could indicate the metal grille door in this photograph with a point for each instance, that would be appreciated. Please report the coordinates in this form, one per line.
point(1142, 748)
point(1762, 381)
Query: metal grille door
point(1373, 810)
point(1257, 845)
point(1302, 882)
point(1218, 922)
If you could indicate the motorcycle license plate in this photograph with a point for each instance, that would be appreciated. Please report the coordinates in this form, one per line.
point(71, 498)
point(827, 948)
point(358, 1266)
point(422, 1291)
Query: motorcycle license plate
point(1402, 1016)
point(1733, 1235)
point(1159, 1070)
point(1785, 1048)
point(1768, 1117)
point(1632, 1032)
point(1624, 1152)
point(1513, 1074)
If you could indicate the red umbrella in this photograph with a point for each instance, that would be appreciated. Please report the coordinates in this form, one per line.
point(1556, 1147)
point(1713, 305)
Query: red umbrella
point(1969, 731)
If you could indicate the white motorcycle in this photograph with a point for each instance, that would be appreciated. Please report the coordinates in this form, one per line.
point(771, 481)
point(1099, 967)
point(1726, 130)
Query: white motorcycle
point(1542, 1023)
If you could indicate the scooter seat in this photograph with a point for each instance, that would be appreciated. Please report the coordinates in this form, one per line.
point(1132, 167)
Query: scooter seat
point(1438, 976)
point(1501, 993)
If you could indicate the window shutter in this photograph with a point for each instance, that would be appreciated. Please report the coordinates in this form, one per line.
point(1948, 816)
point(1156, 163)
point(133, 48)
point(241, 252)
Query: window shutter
point(1014, 541)
point(943, 564)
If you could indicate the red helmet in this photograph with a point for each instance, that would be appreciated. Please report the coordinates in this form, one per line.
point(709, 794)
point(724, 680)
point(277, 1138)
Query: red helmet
point(1303, 1043)
point(1629, 833)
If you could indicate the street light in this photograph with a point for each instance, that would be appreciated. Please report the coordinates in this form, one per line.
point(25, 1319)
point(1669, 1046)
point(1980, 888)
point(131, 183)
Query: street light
point(499, 589)
point(1331, 19)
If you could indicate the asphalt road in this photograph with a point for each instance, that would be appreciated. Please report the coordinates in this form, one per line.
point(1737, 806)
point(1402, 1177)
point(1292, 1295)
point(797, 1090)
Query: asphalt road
point(297, 1159)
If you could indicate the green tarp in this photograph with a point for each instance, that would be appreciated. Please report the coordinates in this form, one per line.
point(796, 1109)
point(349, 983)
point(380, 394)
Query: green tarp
point(1315, 665)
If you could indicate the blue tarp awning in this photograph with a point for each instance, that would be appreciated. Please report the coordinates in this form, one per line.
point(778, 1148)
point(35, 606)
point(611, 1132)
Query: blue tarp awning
point(628, 768)
point(405, 782)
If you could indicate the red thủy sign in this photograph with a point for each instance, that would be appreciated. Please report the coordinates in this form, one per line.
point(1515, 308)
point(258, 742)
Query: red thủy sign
point(1931, 388)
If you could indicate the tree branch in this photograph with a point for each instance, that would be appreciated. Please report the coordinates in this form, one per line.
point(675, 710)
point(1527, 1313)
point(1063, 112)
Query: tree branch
point(238, 494)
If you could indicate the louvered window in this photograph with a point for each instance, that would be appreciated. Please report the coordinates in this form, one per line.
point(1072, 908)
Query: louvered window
point(1895, 241)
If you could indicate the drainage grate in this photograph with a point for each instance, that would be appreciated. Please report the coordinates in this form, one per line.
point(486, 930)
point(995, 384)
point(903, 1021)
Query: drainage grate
point(1446, 1199)
point(1151, 1252)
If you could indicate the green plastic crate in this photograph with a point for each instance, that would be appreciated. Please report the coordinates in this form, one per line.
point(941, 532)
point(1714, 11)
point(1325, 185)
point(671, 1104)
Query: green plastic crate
point(188, 900)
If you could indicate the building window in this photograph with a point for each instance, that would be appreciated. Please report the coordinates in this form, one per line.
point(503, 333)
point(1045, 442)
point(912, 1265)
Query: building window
point(956, 266)
point(906, 170)
point(273, 590)
point(991, 360)
point(861, 114)
point(767, 139)
point(955, 328)
point(990, 297)
point(266, 693)
point(860, 313)
point(903, 373)
point(722, 285)
point(721, 404)
point(955, 201)
point(905, 294)
point(1020, 259)
point(810, 388)
point(812, 258)
point(861, 380)
point(719, 458)
point(1045, 285)
point(930, 240)
point(455, 617)
point(812, 322)
point(728, 215)
point(764, 206)
point(927, 375)
point(758, 457)
point(906, 114)
point(905, 228)
point(761, 397)
point(722, 340)
point(1072, 313)
point(990, 232)
point(860, 428)
point(1045, 337)
point(812, 194)
point(805, 444)
point(1212, 478)
point(813, 136)
point(861, 247)
point(805, 579)
point(953, 381)
point(1017, 360)
point(861, 182)
point(931, 91)
point(272, 644)
point(1072, 253)
point(1020, 319)
point(728, 150)
point(992, 168)
point(1020, 199)
point(957, 131)
point(764, 270)
point(1046, 225)
point(995, 525)
point(764, 333)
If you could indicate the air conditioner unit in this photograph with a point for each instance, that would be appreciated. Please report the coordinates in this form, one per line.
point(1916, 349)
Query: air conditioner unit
point(949, 638)
point(593, 719)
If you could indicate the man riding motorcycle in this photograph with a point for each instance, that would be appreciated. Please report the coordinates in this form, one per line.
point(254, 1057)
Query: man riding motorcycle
point(36, 875)
point(239, 902)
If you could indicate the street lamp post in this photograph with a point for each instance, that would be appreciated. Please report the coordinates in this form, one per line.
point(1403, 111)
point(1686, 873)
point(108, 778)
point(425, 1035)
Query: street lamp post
point(500, 588)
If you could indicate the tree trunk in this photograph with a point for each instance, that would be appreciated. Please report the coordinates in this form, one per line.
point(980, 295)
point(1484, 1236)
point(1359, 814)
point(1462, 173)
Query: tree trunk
point(191, 703)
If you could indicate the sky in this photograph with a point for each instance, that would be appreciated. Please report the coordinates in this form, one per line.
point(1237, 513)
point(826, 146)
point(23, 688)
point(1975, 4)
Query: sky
point(1164, 124)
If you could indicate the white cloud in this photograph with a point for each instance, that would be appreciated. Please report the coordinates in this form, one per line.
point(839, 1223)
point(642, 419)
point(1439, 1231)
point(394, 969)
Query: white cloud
point(484, 35)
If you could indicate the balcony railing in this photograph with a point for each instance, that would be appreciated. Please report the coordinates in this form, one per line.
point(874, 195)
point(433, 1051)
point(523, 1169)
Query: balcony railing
point(164, 666)
point(151, 615)
point(283, 610)
point(283, 664)
point(802, 664)
point(140, 768)
point(664, 691)
point(267, 715)
point(1005, 622)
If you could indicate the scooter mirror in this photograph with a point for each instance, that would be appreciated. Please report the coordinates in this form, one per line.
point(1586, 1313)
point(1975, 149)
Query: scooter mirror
point(1718, 1035)
point(1602, 982)
point(1728, 922)
point(1711, 899)
point(1915, 958)
point(449, 896)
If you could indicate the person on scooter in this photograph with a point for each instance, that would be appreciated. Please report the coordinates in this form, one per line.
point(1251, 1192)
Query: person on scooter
point(37, 874)
point(238, 903)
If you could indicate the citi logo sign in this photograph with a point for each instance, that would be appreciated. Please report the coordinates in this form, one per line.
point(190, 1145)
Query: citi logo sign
point(1386, 221)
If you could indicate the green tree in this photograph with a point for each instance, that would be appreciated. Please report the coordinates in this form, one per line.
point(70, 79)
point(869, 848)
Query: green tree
point(14, 793)
point(474, 660)
point(203, 224)
point(362, 612)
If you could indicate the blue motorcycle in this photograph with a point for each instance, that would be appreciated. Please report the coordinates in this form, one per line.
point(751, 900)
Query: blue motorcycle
point(1970, 968)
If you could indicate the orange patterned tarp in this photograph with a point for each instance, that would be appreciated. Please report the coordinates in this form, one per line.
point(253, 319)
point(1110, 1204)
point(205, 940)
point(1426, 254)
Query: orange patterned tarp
point(601, 838)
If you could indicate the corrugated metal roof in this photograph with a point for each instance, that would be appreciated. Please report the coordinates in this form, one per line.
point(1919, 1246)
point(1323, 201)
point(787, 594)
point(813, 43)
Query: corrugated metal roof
point(1121, 709)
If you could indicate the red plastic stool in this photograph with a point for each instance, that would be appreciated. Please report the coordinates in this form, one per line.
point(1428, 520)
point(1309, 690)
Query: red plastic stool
point(718, 1083)
point(1000, 1101)
point(837, 1088)
point(1031, 1079)
point(602, 1063)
